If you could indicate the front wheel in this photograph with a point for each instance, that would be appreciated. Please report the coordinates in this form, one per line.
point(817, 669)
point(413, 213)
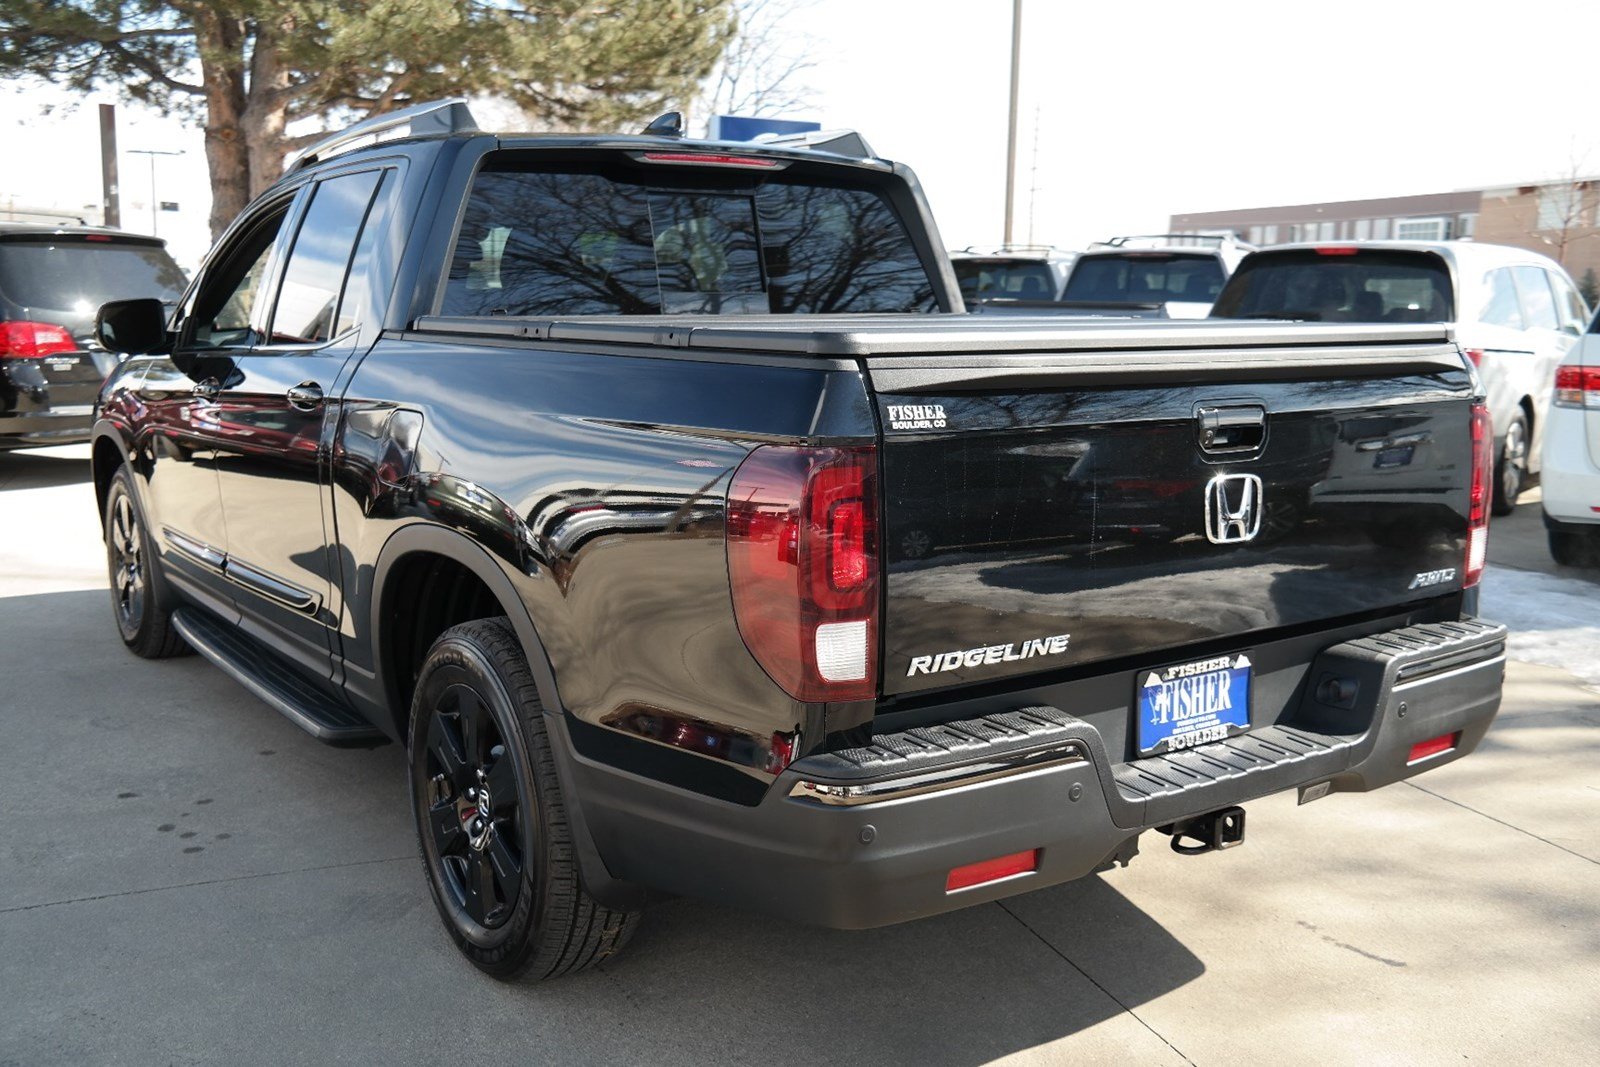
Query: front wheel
point(492, 823)
point(138, 597)
point(1511, 470)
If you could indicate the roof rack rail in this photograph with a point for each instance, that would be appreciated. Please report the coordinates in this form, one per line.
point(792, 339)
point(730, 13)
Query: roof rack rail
point(839, 142)
point(1215, 240)
point(436, 116)
point(1008, 249)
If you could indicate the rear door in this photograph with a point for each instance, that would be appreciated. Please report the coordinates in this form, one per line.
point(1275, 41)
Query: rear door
point(1038, 518)
point(1547, 344)
point(278, 409)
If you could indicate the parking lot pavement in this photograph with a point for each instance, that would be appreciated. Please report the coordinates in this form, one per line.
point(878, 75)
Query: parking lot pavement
point(186, 877)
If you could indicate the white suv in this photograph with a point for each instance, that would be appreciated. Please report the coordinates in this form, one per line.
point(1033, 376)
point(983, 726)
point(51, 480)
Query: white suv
point(1572, 456)
point(1516, 314)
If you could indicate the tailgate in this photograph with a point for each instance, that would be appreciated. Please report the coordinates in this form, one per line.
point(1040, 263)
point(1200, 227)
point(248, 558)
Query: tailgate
point(1054, 510)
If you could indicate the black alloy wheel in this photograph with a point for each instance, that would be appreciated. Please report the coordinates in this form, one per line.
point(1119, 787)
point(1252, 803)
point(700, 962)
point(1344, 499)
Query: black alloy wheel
point(139, 599)
point(492, 824)
point(475, 808)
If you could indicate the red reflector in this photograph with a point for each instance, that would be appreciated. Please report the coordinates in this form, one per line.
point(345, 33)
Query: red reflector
point(1423, 749)
point(1337, 250)
point(710, 159)
point(31, 340)
point(1475, 355)
point(992, 870)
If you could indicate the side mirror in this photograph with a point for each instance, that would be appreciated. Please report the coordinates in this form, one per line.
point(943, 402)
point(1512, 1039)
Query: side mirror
point(136, 327)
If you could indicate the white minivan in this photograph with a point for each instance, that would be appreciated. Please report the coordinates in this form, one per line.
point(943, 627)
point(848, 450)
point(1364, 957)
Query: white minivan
point(1516, 315)
point(1572, 456)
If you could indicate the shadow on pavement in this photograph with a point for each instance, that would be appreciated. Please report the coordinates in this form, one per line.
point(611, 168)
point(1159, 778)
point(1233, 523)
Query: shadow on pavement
point(214, 838)
point(44, 469)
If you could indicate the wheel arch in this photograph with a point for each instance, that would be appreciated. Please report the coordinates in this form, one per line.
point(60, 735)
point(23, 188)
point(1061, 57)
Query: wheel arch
point(425, 546)
point(108, 451)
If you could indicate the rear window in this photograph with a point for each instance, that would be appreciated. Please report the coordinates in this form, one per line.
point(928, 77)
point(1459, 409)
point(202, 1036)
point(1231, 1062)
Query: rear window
point(1021, 279)
point(70, 275)
point(544, 242)
point(1347, 287)
point(1145, 278)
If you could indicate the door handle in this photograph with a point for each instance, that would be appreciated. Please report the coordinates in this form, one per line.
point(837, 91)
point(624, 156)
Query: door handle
point(207, 389)
point(306, 396)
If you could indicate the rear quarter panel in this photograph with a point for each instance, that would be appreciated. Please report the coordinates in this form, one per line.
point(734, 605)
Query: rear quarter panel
point(597, 481)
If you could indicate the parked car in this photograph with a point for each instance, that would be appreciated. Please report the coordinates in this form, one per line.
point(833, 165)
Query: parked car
point(551, 458)
point(52, 280)
point(1160, 275)
point(1516, 314)
point(1012, 272)
point(1571, 476)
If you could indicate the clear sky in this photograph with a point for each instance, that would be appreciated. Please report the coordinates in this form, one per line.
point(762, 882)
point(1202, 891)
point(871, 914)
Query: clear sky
point(1141, 109)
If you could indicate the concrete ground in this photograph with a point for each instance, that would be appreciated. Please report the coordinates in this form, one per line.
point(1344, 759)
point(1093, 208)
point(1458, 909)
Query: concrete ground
point(186, 877)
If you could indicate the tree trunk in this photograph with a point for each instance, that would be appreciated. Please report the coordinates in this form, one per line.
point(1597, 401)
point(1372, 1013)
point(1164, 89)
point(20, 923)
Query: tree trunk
point(221, 46)
point(266, 108)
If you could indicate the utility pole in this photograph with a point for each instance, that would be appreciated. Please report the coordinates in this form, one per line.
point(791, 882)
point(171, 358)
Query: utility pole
point(1011, 129)
point(110, 198)
point(1033, 173)
point(155, 205)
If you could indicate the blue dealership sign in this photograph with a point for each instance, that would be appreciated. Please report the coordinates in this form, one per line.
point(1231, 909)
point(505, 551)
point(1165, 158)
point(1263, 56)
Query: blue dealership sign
point(748, 127)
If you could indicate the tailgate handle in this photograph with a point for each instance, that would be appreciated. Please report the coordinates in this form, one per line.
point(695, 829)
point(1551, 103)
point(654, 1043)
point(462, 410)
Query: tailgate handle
point(1232, 429)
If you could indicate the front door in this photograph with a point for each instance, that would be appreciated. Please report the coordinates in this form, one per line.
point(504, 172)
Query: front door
point(177, 453)
point(277, 413)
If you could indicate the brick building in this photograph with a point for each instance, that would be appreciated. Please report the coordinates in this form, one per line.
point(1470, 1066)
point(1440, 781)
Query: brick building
point(1561, 219)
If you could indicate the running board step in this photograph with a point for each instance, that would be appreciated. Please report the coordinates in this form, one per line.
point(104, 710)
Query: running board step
point(273, 680)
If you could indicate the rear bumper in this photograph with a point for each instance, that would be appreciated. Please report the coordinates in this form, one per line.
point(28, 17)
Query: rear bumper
point(868, 836)
point(37, 429)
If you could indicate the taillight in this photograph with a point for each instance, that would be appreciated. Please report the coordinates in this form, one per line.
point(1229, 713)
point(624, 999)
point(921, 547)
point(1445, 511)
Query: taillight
point(803, 565)
point(1336, 250)
point(1577, 387)
point(1474, 356)
point(31, 340)
point(1478, 501)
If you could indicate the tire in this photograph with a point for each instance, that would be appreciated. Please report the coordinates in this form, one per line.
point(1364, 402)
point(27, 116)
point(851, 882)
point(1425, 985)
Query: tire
point(1575, 548)
point(492, 826)
point(140, 603)
point(1511, 468)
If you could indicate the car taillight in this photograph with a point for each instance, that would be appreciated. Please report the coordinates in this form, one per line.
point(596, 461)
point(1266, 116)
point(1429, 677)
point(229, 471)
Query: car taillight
point(711, 159)
point(803, 565)
point(1478, 501)
point(1474, 356)
point(31, 340)
point(1336, 250)
point(1577, 387)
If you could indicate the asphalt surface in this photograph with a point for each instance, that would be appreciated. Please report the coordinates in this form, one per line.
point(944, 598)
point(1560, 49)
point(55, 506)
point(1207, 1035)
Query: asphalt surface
point(186, 877)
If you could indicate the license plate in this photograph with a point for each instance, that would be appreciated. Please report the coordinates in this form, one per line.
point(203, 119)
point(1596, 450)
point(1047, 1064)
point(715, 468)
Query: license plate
point(1195, 703)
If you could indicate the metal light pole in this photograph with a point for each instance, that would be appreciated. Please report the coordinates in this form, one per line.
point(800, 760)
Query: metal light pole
point(154, 203)
point(1011, 129)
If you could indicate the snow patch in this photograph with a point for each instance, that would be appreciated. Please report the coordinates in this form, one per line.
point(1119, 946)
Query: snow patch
point(1553, 621)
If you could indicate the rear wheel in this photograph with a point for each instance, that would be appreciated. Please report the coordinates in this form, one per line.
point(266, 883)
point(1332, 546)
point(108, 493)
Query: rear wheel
point(138, 596)
point(492, 823)
point(1575, 548)
point(1511, 471)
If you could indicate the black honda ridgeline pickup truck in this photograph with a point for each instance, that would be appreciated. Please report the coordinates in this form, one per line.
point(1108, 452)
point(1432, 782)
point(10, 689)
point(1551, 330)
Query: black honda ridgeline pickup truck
point(657, 496)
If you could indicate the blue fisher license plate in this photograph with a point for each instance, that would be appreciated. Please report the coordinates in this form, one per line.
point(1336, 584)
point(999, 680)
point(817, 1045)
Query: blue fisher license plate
point(1195, 703)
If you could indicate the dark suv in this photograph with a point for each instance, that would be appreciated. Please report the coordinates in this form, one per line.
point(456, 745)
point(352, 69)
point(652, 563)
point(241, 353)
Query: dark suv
point(52, 281)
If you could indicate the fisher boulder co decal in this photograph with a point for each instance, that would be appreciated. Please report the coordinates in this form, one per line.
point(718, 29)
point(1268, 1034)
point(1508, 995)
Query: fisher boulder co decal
point(916, 416)
point(988, 655)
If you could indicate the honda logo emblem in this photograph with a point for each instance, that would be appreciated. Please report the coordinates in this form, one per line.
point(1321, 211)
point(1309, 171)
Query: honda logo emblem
point(1233, 508)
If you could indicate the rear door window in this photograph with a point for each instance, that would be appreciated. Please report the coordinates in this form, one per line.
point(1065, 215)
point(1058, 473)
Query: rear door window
point(1574, 312)
point(1538, 302)
point(545, 242)
point(1340, 285)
